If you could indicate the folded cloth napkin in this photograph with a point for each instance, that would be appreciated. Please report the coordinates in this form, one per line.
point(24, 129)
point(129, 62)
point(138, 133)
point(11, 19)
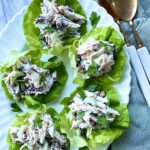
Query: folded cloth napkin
point(137, 136)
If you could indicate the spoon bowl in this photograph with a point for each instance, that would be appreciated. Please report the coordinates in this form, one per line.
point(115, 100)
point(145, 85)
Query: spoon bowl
point(125, 9)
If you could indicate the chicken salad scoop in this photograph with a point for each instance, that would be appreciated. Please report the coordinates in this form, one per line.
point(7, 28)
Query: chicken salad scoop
point(38, 131)
point(57, 22)
point(27, 78)
point(95, 57)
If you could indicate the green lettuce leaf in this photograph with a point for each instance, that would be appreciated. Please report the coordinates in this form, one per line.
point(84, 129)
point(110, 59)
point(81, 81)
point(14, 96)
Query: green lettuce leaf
point(32, 33)
point(107, 34)
point(102, 136)
point(22, 119)
point(31, 101)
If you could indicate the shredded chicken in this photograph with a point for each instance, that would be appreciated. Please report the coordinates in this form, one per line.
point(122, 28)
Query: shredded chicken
point(27, 78)
point(95, 55)
point(57, 19)
point(91, 112)
point(39, 138)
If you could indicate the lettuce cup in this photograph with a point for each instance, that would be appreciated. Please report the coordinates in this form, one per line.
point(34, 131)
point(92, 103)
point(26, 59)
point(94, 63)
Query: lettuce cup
point(98, 54)
point(53, 25)
point(93, 115)
point(30, 81)
point(36, 131)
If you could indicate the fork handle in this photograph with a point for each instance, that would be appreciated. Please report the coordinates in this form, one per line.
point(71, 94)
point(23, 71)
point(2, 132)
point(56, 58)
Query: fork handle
point(137, 38)
point(141, 76)
point(145, 60)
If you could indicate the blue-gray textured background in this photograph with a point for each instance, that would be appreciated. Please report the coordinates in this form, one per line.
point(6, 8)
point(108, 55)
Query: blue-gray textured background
point(137, 137)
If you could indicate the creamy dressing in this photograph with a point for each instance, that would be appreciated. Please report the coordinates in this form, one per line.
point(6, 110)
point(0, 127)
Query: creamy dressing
point(39, 138)
point(91, 112)
point(57, 22)
point(27, 78)
point(95, 57)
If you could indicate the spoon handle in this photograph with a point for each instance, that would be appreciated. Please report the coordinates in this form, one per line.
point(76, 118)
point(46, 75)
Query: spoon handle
point(123, 32)
point(137, 38)
point(140, 73)
point(145, 60)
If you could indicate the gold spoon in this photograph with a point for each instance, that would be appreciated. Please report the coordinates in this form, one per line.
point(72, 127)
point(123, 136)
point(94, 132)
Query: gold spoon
point(140, 58)
point(125, 10)
point(117, 19)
